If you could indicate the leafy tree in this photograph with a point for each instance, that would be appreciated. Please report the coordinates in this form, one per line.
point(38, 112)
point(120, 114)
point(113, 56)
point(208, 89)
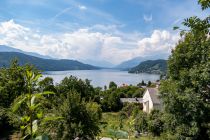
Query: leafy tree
point(142, 83)
point(149, 83)
point(28, 108)
point(105, 87)
point(47, 85)
point(186, 93)
point(155, 123)
point(12, 85)
point(141, 121)
point(80, 119)
point(81, 87)
point(112, 85)
point(110, 101)
point(204, 4)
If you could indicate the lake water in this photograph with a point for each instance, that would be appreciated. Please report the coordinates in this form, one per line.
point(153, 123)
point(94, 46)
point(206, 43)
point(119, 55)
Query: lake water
point(103, 77)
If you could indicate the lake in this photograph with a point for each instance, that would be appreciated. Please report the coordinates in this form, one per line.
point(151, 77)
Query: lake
point(103, 77)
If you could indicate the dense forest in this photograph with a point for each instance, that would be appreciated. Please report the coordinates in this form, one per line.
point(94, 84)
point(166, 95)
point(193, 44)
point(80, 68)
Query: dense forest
point(151, 66)
point(43, 64)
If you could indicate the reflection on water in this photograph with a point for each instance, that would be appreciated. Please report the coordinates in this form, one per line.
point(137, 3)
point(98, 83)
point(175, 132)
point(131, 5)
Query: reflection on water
point(103, 77)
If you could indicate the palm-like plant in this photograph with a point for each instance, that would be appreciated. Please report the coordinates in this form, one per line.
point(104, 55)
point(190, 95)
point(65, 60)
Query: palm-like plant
point(29, 107)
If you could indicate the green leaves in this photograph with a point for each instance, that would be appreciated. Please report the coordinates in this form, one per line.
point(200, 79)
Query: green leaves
point(175, 28)
point(204, 4)
point(30, 106)
point(18, 102)
point(184, 93)
point(51, 118)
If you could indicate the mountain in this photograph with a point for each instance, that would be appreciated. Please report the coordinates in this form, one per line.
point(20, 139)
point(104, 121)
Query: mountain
point(43, 64)
point(126, 65)
point(4, 48)
point(151, 66)
point(99, 63)
point(131, 63)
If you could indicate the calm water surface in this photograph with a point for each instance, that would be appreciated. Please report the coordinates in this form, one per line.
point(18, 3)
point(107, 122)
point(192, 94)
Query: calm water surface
point(103, 77)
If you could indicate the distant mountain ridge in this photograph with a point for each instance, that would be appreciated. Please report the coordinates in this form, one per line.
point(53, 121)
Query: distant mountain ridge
point(43, 64)
point(151, 66)
point(130, 63)
point(4, 48)
point(99, 63)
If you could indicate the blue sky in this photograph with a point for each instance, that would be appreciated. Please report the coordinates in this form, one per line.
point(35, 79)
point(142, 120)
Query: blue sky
point(103, 30)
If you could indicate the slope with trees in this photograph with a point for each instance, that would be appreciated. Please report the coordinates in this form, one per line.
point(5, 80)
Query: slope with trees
point(151, 66)
point(43, 64)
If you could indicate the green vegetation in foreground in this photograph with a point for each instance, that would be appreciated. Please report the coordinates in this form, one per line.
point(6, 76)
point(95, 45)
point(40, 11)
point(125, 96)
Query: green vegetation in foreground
point(36, 108)
point(114, 122)
point(151, 66)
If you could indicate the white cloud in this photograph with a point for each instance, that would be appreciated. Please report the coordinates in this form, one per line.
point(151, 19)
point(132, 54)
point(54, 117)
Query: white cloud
point(82, 7)
point(147, 18)
point(87, 43)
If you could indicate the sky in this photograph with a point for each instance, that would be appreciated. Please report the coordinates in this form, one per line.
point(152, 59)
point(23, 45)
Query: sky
point(95, 30)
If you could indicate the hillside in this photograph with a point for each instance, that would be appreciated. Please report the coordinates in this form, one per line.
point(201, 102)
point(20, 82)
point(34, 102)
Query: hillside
point(126, 65)
point(151, 66)
point(130, 63)
point(43, 64)
point(4, 48)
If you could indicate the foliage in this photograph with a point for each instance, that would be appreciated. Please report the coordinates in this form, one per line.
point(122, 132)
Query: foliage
point(110, 101)
point(112, 85)
point(83, 88)
point(204, 4)
point(12, 85)
point(131, 109)
point(112, 128)
point(80, 119)
point(141, 121)
point(151, 66)
point(186, 93)
point(155, 123)
point(141, 84)
point(47, 85)
point(28, 107)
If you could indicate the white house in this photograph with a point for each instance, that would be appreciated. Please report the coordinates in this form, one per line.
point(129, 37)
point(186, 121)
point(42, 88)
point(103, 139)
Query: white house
point(151, 100)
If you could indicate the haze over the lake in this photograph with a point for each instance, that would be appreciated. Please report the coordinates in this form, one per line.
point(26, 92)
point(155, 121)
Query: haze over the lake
point(103, 77)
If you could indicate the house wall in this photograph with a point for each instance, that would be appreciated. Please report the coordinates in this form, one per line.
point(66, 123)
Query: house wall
point(147, 107)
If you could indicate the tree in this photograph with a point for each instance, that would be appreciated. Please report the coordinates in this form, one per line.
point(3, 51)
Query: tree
point(155, 123)
point(149, 83)
point(112, 85)
point(142, 83)
point(12, 85)
point(204, 4)
point(81, 87)
point(28, 109)
point(185, 91)
point(110, 101)
point(80, 119)
point(47, 85)
point(141, 121)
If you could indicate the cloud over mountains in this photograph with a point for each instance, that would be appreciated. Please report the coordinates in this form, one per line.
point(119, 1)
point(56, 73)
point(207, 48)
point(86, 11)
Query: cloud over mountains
point(88, 43)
